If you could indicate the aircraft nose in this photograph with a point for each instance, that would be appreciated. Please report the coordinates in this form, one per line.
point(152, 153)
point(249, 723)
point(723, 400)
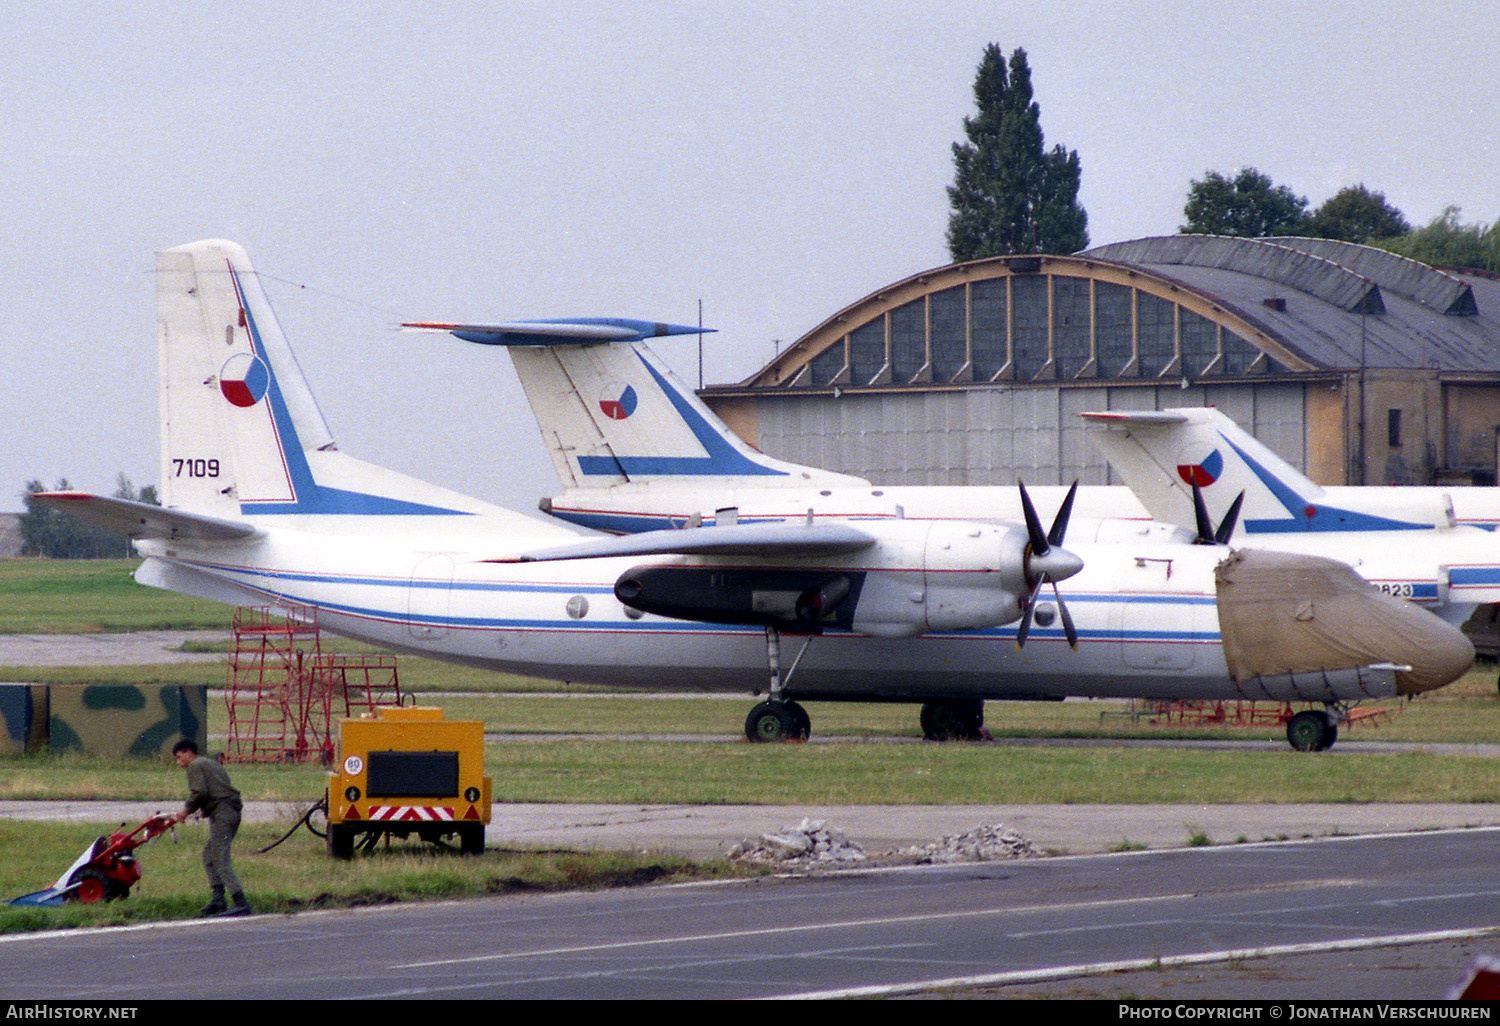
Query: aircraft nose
point(1435, 660)
point(1283, 614)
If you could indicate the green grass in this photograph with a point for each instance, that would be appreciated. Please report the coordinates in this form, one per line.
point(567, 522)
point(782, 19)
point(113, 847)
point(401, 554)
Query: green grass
point(299, 875)
point(73, 777)
point(1467, 711)
point(972, 774)
point(718, 773)
point(72, 596)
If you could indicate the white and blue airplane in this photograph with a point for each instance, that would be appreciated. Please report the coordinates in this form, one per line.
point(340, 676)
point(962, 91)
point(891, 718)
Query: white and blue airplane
point(261, 508)
point(637, 450)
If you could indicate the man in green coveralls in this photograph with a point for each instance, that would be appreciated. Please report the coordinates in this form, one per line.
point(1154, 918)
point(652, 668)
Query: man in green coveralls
point(211, 793)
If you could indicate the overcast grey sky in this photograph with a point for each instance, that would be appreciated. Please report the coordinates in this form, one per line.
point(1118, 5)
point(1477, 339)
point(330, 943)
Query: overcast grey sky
point(385, 161)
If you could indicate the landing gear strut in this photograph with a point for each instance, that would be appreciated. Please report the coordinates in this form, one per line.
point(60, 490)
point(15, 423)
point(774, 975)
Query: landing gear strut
point(778, 718)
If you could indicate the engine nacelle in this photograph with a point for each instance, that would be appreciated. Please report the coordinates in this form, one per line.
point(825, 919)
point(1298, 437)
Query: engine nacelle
point(804, 601)
point(969, 575)
point(921, 576)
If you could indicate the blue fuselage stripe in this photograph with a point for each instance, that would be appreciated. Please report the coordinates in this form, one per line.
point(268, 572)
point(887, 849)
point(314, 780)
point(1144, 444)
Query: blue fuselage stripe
point(307, 585)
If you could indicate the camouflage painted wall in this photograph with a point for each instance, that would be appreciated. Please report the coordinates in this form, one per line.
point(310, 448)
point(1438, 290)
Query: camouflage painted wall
point(119, 721)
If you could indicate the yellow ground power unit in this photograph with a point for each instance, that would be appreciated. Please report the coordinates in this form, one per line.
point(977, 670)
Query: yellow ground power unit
point(405, 771)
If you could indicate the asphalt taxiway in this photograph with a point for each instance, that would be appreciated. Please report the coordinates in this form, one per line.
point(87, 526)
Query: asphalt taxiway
point(1394, 917)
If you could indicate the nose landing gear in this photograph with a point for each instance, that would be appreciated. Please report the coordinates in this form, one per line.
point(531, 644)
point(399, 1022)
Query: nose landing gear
point(1313, 730)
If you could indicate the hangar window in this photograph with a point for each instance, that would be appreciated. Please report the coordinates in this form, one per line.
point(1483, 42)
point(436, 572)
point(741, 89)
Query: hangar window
point(867, 352)
point(1238, 354)
point(908, 341)
point(946, 333)
point(1112, 329)
point(1033, 327)
point(1028, 295)
point(827, 367)
point(987, 327)
point(1200, 342)
point(1070, 320)
point(1154, 334)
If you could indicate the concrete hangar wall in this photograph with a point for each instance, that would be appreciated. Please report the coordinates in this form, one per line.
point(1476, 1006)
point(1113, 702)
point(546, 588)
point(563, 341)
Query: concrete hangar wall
point(1359, 366)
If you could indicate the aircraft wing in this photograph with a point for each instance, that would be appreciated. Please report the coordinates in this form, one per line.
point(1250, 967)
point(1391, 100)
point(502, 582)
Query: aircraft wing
point(143, 520)
point(579, 330)
point(768, 539)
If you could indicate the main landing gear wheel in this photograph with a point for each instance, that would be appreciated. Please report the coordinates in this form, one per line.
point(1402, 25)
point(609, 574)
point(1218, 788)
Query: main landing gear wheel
point(955, 719)
point(778, 721)
point(1311, 731)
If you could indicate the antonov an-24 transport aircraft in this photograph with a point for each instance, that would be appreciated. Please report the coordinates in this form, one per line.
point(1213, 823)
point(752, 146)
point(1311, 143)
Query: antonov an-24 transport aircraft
point(259, 507)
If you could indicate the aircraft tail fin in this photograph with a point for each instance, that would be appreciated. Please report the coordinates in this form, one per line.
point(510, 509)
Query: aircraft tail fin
point(1162, 454)
point(241, 434)
point(612, 413)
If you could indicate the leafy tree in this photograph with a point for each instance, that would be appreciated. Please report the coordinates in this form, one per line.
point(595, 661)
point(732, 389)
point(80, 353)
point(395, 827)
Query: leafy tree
point(46, 532)
point(1355, 214)
point(1247, 206)
point(1447, 242)
point(1010, 194)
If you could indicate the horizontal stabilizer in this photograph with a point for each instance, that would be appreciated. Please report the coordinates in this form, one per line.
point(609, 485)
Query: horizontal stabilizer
point(769, 539)
point(1128, 417)
point(577, 331)
point(142, 520)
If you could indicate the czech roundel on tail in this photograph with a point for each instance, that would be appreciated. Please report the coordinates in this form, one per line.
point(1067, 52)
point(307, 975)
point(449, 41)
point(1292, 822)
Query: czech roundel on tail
point(260, 507)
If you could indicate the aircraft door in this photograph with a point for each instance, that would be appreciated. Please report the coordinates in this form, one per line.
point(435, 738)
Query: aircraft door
point(1151, 628)
point(1151, 637)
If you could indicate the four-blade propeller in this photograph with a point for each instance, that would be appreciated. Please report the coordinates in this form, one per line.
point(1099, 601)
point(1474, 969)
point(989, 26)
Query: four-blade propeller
point(1046, 561)
point(1206, 533)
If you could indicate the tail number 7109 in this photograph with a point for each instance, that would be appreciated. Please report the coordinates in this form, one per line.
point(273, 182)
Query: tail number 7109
point(195, 468)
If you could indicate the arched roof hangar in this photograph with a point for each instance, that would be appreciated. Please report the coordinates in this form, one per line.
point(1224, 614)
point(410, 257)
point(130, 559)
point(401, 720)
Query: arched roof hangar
point(1333, 336)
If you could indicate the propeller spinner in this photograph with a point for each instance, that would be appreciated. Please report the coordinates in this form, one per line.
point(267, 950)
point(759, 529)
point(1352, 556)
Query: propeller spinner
point(1046, 561)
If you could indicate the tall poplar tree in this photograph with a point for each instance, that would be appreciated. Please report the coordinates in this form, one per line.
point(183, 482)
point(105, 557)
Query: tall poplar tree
point(1010, 194)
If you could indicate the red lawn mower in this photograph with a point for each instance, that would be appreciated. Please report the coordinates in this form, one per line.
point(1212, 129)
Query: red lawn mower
point(106, 870)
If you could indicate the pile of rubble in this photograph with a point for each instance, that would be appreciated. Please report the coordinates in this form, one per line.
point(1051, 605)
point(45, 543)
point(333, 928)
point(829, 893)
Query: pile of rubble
point(810, 842)
point(982, 844)
point(813, 842)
